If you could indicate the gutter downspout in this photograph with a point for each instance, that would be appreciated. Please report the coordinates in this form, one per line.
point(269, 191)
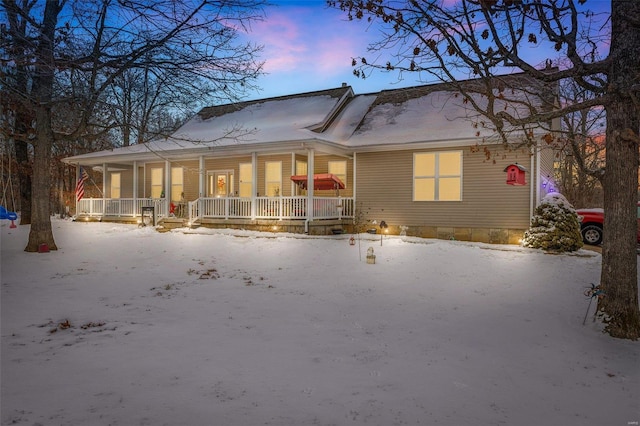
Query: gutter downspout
point(534, 181)
point(538, 185)
point(353, 195)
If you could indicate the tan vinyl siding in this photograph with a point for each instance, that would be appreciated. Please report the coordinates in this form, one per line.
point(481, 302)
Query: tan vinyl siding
point(126, 183)
point(190, 178)
point(385, 184)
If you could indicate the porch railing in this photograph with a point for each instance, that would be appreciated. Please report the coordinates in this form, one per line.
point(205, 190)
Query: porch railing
point(278, 208)
point(270, 208)
point(120, 207)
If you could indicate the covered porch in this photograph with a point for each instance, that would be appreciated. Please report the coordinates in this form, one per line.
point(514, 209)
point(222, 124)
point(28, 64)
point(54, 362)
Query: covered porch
point(228, 208)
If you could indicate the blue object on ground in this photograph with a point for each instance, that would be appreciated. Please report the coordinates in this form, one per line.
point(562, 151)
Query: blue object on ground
point(4, 214)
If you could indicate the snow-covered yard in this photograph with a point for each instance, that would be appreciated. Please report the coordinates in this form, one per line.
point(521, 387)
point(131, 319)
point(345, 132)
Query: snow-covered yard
point(128, 326)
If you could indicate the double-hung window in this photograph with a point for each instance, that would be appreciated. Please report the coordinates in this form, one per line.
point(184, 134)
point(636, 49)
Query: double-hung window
point(246, 179)
point(338, 168)
point(177, 184)
point(273, 178)
point(156, 182)
point(437, 176)
point(115, 184)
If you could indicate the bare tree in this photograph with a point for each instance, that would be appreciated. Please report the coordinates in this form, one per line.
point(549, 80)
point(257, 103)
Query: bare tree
point(148, 104)
point(17, 116)
point(94, 42)
point(581, 149)
point(450, 41)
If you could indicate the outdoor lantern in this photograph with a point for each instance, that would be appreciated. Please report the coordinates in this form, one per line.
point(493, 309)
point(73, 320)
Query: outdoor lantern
point(515, 174)
point(384, 228)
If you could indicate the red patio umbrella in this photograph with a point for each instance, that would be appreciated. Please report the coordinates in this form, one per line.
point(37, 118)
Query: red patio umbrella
point(321, 181)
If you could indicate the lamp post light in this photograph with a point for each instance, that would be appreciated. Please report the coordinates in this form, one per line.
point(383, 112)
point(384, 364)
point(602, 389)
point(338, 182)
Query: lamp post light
point(384, 228)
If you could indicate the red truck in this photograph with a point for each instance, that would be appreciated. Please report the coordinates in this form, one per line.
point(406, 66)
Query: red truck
point(592, 225)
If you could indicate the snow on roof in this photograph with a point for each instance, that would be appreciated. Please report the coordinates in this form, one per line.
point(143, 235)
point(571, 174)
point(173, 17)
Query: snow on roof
point(433, 117)
point(268, 121)
point(431, 114)
point(437, 113)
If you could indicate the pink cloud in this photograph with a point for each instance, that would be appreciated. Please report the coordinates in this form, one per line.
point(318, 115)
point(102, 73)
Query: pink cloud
point(310, 40)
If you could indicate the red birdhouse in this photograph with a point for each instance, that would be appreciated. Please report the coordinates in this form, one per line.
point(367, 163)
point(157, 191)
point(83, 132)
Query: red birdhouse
point(515, 174)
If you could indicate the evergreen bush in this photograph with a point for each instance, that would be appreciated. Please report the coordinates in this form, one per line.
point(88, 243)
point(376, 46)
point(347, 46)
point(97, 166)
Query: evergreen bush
point(554, 226)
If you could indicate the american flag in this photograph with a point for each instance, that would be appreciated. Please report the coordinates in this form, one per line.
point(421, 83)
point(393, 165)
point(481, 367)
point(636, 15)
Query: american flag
point(80, 185)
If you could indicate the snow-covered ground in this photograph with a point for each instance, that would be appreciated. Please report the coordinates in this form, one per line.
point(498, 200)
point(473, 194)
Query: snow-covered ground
point(127, 326)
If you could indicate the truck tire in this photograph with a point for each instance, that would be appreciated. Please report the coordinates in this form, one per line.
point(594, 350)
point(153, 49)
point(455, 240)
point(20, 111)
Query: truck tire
point(592, 234)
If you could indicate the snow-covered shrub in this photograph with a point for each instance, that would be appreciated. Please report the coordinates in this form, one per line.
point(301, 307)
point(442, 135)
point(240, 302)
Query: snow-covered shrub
point(554, 226)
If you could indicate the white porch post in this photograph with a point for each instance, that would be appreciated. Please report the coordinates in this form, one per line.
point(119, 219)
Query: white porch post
point(354, 182)
point(293, 172)
point(167, 179)
point(167, 186)
point(135, 188)
point(104, 189)
point(310, 173)
point(254, 183)
point(201, 177)
point(104, 184)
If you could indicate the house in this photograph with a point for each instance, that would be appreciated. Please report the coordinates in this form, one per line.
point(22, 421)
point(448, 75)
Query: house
point(417, 158)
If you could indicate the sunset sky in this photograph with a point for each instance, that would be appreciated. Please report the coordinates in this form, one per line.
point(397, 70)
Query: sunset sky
point(308, 46)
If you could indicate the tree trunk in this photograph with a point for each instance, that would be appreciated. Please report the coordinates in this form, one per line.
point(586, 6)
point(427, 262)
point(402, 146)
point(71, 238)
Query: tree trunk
point(619, 264)
point(41, 232)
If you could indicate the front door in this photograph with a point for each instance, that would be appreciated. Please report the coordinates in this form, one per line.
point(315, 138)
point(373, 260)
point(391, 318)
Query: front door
point(220, 184)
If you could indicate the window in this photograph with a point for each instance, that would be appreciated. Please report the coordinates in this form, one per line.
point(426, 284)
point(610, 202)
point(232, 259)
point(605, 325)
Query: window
point(437, 176)
point(115, 185)
point(156, 182)
point(177, 184)
point(301, 169)
point(273, 178)
point(338, 168)
point(246, 179)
